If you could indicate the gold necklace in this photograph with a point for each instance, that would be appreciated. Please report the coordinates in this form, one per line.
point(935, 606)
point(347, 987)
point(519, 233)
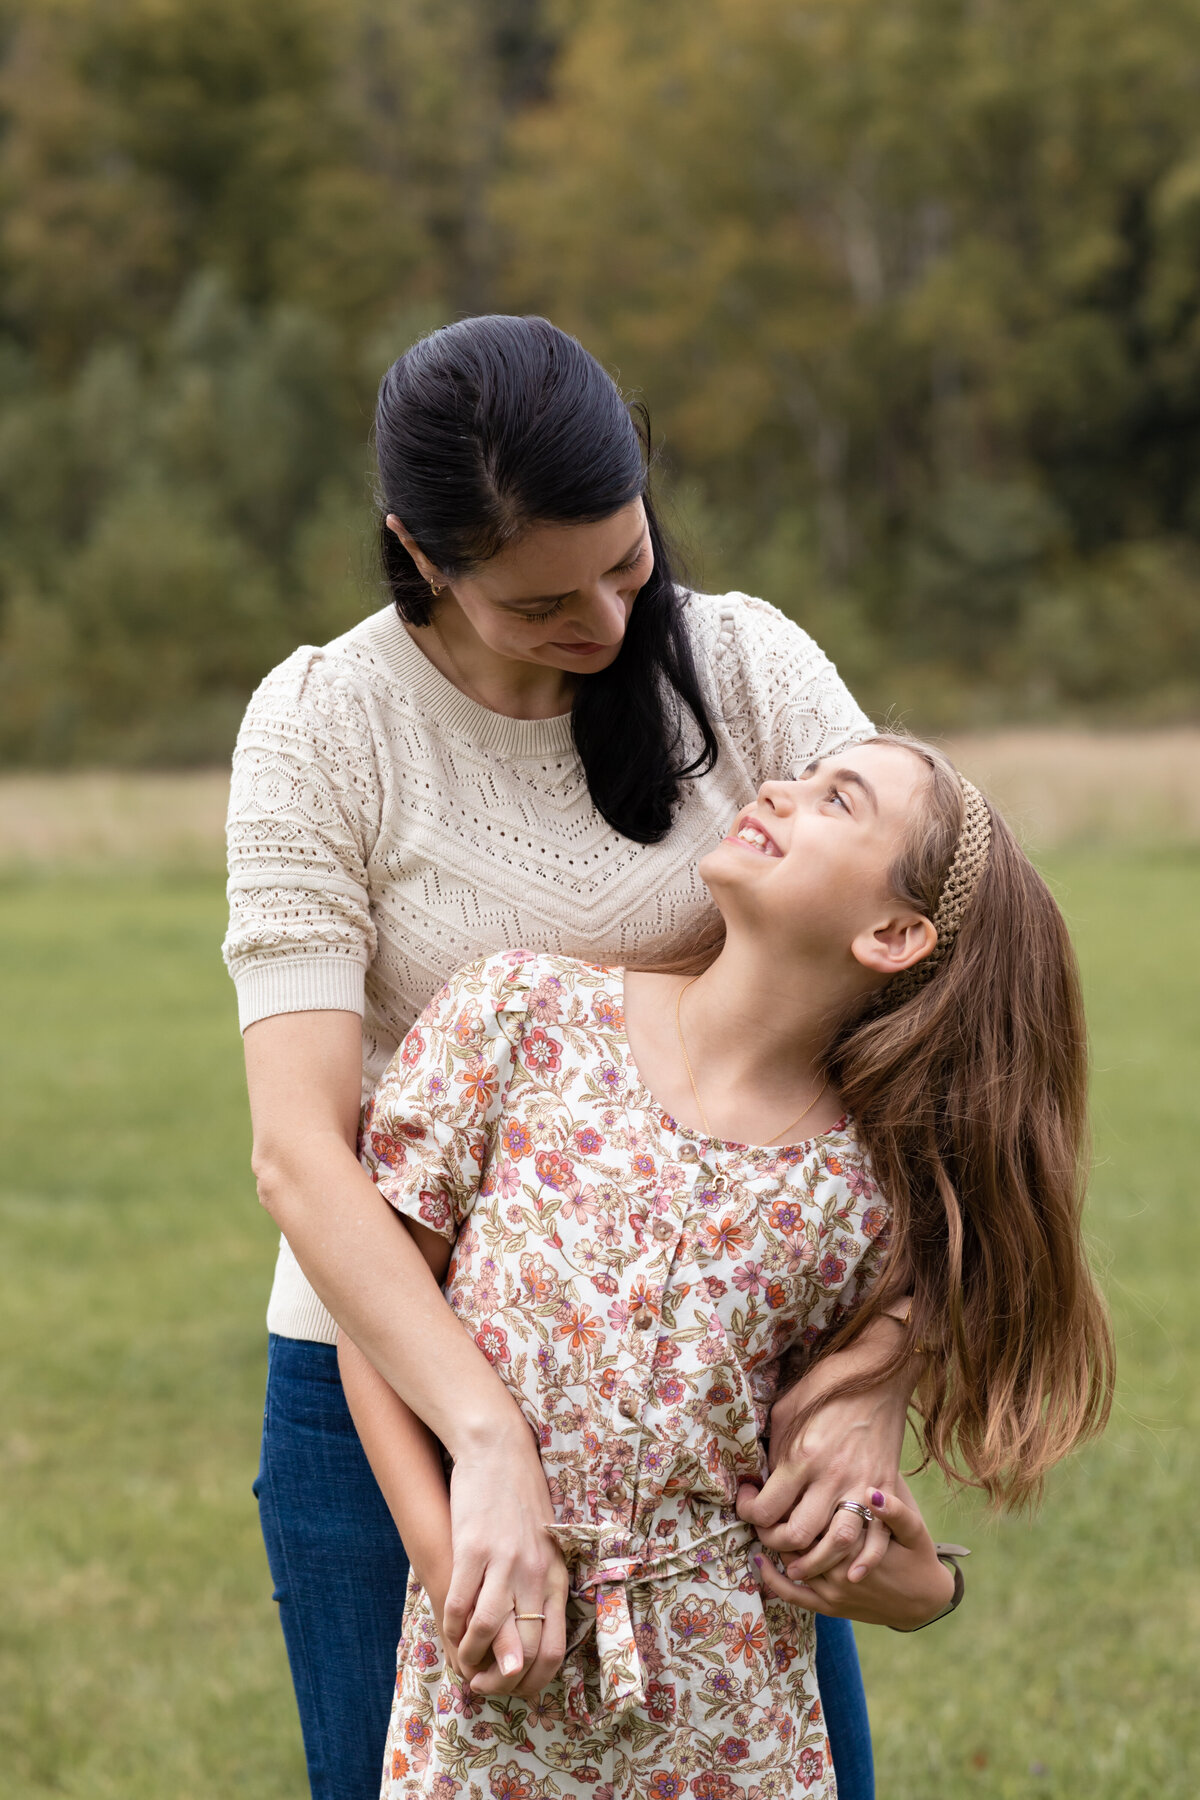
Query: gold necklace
point(687, 1063)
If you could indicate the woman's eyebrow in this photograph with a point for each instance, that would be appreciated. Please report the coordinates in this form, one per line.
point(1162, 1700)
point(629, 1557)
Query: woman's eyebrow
point(549, 599)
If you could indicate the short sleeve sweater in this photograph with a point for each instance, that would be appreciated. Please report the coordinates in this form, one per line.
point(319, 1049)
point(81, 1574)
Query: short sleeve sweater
point(384, 829)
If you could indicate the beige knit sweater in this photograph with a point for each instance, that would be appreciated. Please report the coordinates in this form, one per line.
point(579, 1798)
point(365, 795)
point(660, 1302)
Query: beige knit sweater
point(385, 829)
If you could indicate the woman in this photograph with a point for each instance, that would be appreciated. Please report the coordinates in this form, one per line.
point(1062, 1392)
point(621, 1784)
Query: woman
point(531, 748)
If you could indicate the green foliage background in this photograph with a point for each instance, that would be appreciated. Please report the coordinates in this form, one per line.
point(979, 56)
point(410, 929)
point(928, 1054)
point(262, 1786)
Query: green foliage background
point(911, 286)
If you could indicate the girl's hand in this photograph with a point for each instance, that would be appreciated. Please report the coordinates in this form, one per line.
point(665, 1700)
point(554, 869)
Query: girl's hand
point(848, 1444)
point(906, 1589)
point(504, 1563)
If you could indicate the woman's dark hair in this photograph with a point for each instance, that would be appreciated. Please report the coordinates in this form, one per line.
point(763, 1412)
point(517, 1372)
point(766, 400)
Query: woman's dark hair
point(496, 424)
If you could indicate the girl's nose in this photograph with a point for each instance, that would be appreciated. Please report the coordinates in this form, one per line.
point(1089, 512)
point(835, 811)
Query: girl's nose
point(777, 795)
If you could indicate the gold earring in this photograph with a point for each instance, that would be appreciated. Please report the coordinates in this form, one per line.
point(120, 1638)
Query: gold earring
point(436, 591)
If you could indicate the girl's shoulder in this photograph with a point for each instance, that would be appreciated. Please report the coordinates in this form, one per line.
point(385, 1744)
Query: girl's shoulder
point(517, 981)
point(833, 1173)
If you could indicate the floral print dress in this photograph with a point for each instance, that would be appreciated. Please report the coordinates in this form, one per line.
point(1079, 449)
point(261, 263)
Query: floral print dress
point(635, 1284)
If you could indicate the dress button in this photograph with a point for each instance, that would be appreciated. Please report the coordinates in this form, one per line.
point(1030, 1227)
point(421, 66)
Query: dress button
point(628, 1407)
point(614, 1494)
point(663, 1228)
point(643, 1318)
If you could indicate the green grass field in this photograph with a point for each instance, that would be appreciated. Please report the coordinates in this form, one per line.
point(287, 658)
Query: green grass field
point(139, 1652)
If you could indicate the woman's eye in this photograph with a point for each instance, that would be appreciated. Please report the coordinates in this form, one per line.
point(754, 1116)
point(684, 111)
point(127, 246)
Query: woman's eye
point(533, 618)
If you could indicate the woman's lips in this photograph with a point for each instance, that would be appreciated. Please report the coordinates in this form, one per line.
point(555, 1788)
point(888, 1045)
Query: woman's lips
point(581, 649)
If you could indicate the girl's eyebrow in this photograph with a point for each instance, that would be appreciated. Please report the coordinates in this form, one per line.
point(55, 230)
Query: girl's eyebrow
point(549, 599)
point(854, 779)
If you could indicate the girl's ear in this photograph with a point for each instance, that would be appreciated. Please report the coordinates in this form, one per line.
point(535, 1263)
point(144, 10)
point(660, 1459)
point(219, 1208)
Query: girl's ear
point(895, 944)
point(424, 566)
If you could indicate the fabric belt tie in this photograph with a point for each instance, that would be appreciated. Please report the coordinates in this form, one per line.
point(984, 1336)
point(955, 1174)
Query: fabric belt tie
point(602, 1560)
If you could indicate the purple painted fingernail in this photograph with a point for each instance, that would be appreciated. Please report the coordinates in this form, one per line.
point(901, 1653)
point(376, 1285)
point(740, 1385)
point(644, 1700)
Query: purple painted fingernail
point(759, 1561)
point(877, 1499)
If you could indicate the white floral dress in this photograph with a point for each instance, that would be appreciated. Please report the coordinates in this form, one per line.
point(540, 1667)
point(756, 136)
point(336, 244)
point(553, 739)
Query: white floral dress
point(635, 1284)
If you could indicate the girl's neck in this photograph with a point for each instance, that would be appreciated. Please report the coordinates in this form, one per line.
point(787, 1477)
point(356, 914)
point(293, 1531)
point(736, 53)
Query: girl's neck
point(502, 684)
point(753, 1016)
point(754, 1030)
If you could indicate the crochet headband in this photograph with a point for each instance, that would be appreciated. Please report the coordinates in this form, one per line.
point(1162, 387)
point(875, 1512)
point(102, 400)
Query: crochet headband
point(962, 878)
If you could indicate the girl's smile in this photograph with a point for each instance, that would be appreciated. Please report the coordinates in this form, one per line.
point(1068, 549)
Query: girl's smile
point(747, 831)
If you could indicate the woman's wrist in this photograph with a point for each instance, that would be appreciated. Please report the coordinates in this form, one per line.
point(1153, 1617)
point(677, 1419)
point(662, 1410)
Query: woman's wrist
point(494, 1427)
point(860, 1360)
point(879, 1336)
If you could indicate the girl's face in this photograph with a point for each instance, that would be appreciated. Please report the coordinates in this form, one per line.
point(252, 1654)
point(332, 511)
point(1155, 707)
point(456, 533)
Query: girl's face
point(807, 864)
point(560, 596)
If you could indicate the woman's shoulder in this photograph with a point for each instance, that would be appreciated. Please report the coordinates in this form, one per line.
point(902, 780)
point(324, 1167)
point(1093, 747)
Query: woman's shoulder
point(781, 698)
point(742, 630)
point(315, 676)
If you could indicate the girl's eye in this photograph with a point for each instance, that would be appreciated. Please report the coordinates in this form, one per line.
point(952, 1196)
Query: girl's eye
point(834, 795)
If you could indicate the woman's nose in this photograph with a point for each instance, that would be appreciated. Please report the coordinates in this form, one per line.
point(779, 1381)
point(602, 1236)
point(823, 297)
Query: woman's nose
point(605, 617)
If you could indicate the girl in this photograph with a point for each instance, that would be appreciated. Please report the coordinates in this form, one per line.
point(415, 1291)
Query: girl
point(639, 1239)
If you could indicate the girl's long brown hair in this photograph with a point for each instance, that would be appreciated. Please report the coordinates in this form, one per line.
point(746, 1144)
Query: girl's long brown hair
point(969, 1099)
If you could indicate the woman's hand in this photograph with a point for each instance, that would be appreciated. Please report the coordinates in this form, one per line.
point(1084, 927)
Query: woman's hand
point(523, 1656)
point(504, 1563)
point(847, 1445)
point(907, 1588)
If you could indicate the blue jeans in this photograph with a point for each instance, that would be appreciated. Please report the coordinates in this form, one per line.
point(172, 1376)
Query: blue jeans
point(340, 1573)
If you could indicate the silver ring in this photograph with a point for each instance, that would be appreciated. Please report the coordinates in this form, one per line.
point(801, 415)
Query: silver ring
point(864, 1512)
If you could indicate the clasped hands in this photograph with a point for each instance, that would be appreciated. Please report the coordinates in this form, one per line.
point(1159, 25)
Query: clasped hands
point(505, 1563)
point(884, 1573)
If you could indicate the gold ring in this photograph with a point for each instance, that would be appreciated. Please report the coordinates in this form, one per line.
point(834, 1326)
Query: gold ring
point(529, 1616)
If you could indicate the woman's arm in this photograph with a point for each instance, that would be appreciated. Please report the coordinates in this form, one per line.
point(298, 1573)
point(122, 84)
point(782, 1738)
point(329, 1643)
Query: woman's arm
point(849, 1444)
point(304, 1077)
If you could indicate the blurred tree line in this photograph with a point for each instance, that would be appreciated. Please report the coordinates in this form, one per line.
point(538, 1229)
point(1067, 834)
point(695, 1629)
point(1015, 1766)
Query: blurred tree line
point(912, 288)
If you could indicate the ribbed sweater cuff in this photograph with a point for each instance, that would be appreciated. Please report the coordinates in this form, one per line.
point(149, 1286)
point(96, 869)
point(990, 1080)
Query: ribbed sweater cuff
point(299, 984)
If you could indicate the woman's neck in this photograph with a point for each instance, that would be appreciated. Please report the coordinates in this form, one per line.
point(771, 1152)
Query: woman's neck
point(502, 684)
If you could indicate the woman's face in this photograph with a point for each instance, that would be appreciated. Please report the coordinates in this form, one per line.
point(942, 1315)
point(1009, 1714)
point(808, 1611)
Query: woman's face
point(561, 596)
